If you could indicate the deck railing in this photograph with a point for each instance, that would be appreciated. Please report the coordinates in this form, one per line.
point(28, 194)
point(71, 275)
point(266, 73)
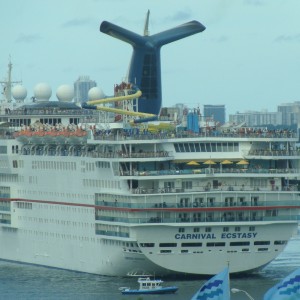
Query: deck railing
point(209, 171)
point(205, 204)
point(204, 219)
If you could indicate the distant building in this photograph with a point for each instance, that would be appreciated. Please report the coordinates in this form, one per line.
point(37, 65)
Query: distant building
point(169, 113)
point(290, 113)
point(255, 118)
point(215, 111)
point(81, 88)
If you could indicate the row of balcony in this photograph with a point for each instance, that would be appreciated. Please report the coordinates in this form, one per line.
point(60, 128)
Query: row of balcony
point(275, 153)
point(209, 171)
point(128, 135)
point(203, 203)
point(204, 219)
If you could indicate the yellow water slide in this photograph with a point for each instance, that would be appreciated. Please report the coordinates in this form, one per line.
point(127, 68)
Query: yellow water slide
point(121, 111)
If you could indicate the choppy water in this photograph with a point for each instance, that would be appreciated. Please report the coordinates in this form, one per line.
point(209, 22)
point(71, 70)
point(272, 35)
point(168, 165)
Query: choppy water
point(30, 282)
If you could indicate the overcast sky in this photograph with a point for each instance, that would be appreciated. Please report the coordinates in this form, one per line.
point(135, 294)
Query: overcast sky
point(248, 58)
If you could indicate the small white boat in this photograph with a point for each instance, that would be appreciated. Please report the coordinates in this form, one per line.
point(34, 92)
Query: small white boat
point(149, 286)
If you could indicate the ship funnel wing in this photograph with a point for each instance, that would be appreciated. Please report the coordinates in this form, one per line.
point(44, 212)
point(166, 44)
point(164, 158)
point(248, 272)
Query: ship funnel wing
point(122, 34)
point(177, 33)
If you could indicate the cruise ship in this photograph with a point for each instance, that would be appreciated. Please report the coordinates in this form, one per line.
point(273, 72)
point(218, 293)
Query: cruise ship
point(121, 185)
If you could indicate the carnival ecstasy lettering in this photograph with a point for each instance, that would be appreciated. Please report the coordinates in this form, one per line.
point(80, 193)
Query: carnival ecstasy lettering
point(212, 236)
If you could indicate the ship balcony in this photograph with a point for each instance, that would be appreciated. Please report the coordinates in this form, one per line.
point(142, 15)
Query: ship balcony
point(210, 172)
point(271, 154)
point(243, 133)
point(4, 208)
point(133, 156)
point(255, 201)
point(5, 218)
point(206, 218)
point(112, 233)
point(5, 221)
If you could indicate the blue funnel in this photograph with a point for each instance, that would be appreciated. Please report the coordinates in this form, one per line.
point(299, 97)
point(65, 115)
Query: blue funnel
point(144, 69)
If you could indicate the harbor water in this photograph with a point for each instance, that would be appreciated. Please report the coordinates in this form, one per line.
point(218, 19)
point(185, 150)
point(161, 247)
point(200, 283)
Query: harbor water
point(19, 281)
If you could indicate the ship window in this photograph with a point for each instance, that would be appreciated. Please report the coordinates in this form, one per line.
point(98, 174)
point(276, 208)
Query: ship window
point(187, 185)
point(239, 243)
point(215, 244)
point(207, 229)
point(167, 245)
point(165, 251)
point(196, 229)
point(272, 213)
point(184, 251)
point(192, 147)
point(3, 149)
point(176, 146)
point(280, 242)
point(180, 229)
point(237, 228)
point(169, 185)
point(230, 147)
point(261, 243)
point(225, 229)
point(262, 249)
point(252, 228)
point(211, 201)
point(242, 199)
point(219, 147)
point(191, 245)
point(213, 147)
point(181, 148)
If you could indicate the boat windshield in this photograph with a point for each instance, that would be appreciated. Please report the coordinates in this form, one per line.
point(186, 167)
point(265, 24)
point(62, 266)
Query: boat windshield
point(147, 283)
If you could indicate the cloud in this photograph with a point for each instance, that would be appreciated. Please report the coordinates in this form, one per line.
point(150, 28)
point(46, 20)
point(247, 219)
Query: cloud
point(77, 22)
point(288, 38)
point(181, 16)
point(28, 38)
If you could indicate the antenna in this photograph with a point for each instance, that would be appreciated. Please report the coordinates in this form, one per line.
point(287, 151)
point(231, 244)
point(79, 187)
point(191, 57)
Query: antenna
point(146, 27)
point(7, 84)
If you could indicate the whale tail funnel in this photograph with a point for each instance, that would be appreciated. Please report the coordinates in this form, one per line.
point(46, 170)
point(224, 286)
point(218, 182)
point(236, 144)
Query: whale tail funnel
point(145, 68)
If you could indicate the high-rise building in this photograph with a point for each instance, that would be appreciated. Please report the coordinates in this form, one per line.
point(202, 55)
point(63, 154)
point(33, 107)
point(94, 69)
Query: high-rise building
point(217, 112)
point(290, 113)
point(81, 88)
point(256, 118)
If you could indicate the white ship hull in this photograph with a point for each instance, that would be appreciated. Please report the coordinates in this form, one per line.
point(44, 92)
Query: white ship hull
point(73, 245)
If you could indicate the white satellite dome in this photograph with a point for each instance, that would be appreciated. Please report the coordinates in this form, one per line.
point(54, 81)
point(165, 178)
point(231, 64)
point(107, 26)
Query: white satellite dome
point(19, 92)
point(96, 93)
point(42, 92)
point(65, 93)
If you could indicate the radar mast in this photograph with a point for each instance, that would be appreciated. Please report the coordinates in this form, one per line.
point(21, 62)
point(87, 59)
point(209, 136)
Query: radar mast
point(8, 83)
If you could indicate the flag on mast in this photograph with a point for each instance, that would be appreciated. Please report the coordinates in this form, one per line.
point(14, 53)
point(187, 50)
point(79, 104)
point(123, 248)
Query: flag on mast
point(216, 288)
point(287, 289)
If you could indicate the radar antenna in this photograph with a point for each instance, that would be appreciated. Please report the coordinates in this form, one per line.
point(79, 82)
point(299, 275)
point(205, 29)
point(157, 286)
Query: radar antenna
point(7, 84)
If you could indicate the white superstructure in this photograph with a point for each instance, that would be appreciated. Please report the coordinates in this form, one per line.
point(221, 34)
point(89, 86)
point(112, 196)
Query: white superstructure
point(114, 198)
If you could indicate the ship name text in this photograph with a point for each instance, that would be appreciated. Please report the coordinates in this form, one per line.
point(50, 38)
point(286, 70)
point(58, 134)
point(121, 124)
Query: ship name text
point(212, 236)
